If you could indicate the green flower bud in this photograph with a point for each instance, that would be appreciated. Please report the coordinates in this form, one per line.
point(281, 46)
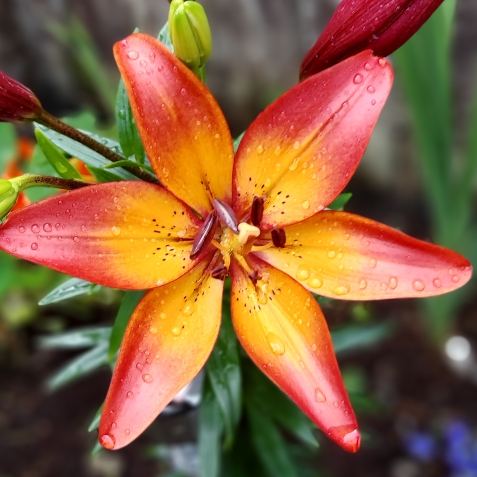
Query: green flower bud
point(190, 33)
point(8, 196)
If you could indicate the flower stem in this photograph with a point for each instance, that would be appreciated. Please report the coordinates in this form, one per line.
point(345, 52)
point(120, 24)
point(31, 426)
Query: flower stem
point(59, 126)
point(35, 180)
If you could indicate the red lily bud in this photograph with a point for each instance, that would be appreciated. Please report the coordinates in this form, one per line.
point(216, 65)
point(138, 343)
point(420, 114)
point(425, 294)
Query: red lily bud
point(358, 25)
point(17, 102)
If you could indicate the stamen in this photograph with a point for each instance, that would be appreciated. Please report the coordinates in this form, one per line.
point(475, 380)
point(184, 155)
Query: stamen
point(227, 215)
point(240, 259)
point(256, 213)
point(258, 248)
point(246, 231)
point(205, 235)
point(279, 238)
point(219, 272)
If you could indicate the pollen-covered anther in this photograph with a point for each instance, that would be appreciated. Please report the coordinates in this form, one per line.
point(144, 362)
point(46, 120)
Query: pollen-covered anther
point(205, 235)
point(246, 231)
point(226, 215)
point(279, 238)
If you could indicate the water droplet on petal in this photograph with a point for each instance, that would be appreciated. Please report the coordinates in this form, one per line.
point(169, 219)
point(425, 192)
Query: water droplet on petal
point(176, 331)
point(373, 263)
point(418, 285)
point(259, 149)
point(153, 330)
point(133, 55)
point(34, 246)
point(315, 282)
point(21, 229)
point(358, 79)
point(437, 283)
point(188, 310)
point(455, 279)
point(393, 283)
point(319, 396)
point(305, 204)
point(115, 230)
point(35, 229)
point(370, 89)
point(129, 394)
point(162, 316)
point(303, 273)
point(363, 284)
point(127, 432)
point(147, 378)
point(47, 227)
point(341, 290)
point(276, 344)
point(107, 441)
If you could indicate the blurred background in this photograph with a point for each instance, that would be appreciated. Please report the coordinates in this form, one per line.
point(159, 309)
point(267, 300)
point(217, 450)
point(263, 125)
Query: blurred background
point(410, 367)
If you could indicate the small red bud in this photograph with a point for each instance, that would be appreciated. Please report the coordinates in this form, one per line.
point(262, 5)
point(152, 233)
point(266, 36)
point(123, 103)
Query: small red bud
point(17, 102)
point(359, 25)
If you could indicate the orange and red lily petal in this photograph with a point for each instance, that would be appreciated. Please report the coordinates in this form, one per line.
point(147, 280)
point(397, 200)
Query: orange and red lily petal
point(130, 235)
point(183, 130)
point(281, 327)
point(342, 255)
point(303, 149)
point(359, 25)
point(168, 339)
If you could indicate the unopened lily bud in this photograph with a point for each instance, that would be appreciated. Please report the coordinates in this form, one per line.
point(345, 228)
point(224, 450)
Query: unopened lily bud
point(190, 33)
point(359, 25)
point(8, 196)
point(17, 102)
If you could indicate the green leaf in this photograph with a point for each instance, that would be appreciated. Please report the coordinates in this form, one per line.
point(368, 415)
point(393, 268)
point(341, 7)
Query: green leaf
point(165, 38)
point(269, 444)
point(129, 139)
point(223, 370)
point(97, 417)
point(83, 338)
point(8, 144)
point(340, 201)
point(129, 163)
point(84, 153)
point(104, 175)
point(79, 367)
point(58, 161)
point(211, 427)
point(353, 337)
point(72, 287)
point(237, 141)
point(267, 398)
point(128, 304)
point(97, 448)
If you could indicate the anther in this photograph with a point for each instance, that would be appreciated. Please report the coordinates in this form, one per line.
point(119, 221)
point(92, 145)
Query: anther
point(256, 213)
point(205, 235)
point(279, 238)
point(219, 272)
point(227, 215)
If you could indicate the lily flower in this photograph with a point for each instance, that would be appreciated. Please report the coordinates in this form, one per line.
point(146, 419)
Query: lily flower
point(358, 25)
point(259, 217)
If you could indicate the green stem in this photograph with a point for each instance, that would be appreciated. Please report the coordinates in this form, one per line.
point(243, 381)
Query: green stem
point(35, 180)
point(59, 126)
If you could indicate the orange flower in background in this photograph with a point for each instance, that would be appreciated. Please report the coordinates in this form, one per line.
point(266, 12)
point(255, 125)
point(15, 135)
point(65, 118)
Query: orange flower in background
point(260, 217)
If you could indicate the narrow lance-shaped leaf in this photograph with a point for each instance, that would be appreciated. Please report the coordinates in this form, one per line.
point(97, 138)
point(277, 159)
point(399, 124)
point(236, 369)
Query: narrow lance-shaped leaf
point(83, 338)
point(71, 288)
point(223, 370)
point(128, 134)
point(211, 427)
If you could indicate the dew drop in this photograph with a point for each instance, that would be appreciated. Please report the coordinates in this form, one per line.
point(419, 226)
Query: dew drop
point(305, 205)
point(341, 290)
point(76, 239)
point(133, 55)
point(107, 441)
point(47, 227)
point(35, 229)
point(372, 263)
point(127, 432)
point(455, 279)
point(162, 316)
point(373, 102)
point(370, 89)
point(418, 285)
point(367, 66)
point(176, 331)
point(393, 283)
point(153, 330)
point(276, 344)
point(143, 63)
point(332, 254)
point(296, 145)
point(259, 149)
point(315, 282)
point(115, 230)
point(21, 229)
point(34, 246)
point(294, 164)
point(336, 404)
point(319, 396)
point(358, 79)
point(147, 378)
point(129, 394)
point(188, 310)
point(303, 273)
point(139, 366)
point(437, 283)
point(382, 62)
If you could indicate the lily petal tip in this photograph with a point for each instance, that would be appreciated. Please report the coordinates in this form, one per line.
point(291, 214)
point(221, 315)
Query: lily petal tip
point(347, 436)
point(107, 441)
